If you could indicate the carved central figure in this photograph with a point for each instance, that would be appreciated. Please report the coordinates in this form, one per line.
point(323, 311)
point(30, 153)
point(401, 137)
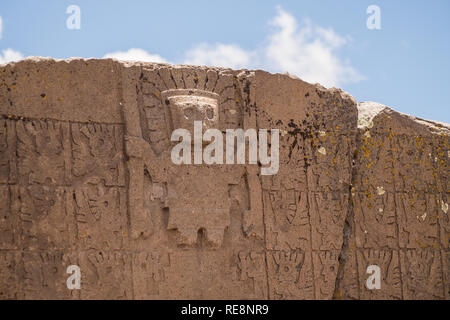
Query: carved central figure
point(197, 195)
point(197, 199)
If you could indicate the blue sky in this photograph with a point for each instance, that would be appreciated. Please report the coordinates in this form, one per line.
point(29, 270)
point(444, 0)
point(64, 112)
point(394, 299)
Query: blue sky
point(405, 65)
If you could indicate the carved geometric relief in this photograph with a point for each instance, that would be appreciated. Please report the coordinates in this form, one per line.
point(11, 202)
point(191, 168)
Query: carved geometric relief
point(417, 220)
point(421, 274)
point(43, 152)
point(100, 214)
point(444, 219)
point(44, 220)
point(446, 272)
point(97, 153)
point(106, 275)
point(374, 163)
point(287, 178)
point(327, 214)
point(9, 276)
point(375, 220)
point(7, 151)
point(251, 274)
point(4, 152)
point(292, 148)
point(290, 275)
point(329, 162)
point(8, 221)
point(246, 192)
point(391, 282)
point(287, 220)
point(292, 172)
point(414, 164)
point(154, 128)
point(325, 273)
point(230, 103)
point(442, 162)
point(45, 275)
point(149, 273)
point(347, 287)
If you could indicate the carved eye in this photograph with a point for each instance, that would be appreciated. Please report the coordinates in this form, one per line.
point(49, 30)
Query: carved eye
point(189, 113)
point(287, 269)
point(210, 113)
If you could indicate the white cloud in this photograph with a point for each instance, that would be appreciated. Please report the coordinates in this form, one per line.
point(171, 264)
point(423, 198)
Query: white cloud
point(305, 50)
point(10, 55)
point(1, 28)
point(220, 55)
point(308, 51)
point(136, 55)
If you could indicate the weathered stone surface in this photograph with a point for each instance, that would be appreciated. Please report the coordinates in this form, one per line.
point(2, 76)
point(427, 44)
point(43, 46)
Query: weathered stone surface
point(398, 217)
point(86, 179)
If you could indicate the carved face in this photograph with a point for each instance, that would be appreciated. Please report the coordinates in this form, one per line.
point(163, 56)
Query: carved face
point(289, 265)
point(48, 142)
point(184, 106)
point(328, 271)
point(101, 145)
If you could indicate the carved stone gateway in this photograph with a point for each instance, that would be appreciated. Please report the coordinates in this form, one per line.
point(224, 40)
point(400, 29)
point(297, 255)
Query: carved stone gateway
point(86, 179)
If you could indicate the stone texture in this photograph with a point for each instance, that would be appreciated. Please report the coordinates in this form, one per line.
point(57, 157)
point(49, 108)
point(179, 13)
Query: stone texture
point(399, 215)
point(86, 178)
